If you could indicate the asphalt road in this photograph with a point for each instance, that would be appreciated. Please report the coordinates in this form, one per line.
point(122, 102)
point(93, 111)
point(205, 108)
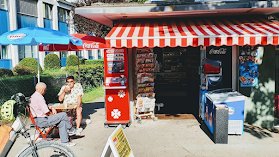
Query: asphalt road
point(168, 138)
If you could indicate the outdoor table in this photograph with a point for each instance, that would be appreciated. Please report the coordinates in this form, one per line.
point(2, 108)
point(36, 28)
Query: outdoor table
point(70, 109)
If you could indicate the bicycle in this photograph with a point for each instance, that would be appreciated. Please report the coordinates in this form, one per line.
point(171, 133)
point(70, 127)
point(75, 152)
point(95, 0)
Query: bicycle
point(42, 148)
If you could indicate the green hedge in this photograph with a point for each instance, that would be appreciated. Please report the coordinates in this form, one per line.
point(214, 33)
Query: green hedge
point(91, 76)
point(30, 62)
point(54, 83)
point(21, 70)
point(72, 60)
point(52, 61)
point(6, 72)
point(12, 85)
point(26, 85)
point(92, 62)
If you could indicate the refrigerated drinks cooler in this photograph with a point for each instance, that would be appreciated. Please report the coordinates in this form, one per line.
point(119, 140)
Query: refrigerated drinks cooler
point(235, 102)
point(211, 78)
point(116, 87)
point(201, 103)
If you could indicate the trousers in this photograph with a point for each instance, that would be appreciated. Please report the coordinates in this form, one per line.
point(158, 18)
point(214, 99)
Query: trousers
point(61, 120)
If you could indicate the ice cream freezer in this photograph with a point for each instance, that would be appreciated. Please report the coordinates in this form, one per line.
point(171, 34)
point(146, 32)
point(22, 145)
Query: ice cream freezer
point(235, 102)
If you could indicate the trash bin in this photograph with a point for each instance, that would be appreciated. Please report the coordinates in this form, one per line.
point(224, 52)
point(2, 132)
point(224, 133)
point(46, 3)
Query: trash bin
point(220, 134)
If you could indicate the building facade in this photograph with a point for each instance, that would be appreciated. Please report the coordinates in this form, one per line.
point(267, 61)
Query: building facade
point(52, 14)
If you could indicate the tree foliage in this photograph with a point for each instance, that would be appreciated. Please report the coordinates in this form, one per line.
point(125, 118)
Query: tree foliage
point(30, 62)
point(87, 26)
point(52, 61)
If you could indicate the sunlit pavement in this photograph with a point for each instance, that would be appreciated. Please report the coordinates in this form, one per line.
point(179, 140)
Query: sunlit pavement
point(167, 138)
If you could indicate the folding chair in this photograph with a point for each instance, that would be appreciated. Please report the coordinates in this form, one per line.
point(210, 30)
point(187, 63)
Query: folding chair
point(43, 131)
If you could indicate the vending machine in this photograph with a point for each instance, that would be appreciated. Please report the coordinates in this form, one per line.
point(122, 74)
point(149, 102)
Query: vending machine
point(116, 87)
point(211, 78)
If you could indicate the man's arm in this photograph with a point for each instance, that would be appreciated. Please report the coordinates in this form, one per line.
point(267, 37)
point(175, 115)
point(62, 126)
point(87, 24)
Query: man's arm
point(61, 94)
point(79, 100)
point(53, 111)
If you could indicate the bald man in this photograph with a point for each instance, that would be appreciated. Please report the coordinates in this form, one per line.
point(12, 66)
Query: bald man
point(44, 117)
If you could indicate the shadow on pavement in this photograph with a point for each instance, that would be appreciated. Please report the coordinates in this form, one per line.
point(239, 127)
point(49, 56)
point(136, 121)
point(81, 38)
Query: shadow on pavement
point(256, 131)
point(89, 108)
point(206, 130)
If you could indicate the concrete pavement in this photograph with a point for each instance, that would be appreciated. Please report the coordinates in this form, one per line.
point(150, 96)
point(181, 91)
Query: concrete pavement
point(168, 138)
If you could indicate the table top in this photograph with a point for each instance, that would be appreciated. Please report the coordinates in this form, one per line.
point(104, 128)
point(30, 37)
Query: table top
point(62, 106)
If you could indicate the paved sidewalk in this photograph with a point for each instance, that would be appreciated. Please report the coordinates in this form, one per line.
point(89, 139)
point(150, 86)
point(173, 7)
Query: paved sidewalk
point(168, 138)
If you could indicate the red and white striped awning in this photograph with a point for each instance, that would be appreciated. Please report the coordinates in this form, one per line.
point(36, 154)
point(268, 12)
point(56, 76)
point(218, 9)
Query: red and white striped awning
point(197, 32)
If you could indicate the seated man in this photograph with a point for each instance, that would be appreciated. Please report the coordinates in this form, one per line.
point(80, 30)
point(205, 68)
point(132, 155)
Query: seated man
point(72, 94)
point(43, 117)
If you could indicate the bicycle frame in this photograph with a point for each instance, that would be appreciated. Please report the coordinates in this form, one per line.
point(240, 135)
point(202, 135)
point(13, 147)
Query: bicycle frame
point(18, 128)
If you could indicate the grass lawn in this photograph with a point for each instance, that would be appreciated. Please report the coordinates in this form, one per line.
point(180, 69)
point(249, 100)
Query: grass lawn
point(92, 95)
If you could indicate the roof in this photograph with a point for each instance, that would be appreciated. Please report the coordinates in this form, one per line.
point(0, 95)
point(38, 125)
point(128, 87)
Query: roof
point(108, 13)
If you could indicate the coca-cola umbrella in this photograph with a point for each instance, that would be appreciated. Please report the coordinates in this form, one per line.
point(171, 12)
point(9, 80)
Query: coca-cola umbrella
point(89, 42)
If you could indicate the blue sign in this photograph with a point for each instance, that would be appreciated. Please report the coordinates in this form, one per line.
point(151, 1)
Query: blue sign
point(248, 67)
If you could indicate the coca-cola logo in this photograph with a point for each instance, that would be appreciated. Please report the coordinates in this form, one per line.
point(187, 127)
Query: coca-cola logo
point(91, 45)
point(16, 37)
point(46, 47)
point(220, 51)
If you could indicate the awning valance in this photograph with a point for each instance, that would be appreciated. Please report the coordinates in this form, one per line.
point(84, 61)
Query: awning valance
point(194, 32)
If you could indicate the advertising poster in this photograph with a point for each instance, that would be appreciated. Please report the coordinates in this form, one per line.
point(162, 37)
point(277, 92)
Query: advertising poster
point(248, 66)
point(115, 66)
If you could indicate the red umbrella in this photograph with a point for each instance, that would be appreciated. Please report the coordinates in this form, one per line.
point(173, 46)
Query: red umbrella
point(89, 42)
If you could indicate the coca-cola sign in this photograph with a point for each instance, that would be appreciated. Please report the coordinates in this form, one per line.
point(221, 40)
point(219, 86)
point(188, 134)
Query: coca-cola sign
point(220, 51)
point(90, 45)
point(46, 47)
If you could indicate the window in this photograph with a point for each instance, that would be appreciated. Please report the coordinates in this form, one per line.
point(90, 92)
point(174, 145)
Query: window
point(79, 54)
point(63, 54)
point(4, 53)
point(99, 54)
point(27, 7)
point(3, 4)
point(63, 15)
point(90, 54)
point(47, 11)
point(27, 51)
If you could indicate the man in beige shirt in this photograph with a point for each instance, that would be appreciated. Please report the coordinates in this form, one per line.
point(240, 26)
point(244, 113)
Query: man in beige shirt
point(72, 94)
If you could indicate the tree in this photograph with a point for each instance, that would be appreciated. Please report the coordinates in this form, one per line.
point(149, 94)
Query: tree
point(87, 26)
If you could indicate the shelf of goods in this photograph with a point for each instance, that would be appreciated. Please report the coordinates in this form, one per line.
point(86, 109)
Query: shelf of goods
point(146, 68)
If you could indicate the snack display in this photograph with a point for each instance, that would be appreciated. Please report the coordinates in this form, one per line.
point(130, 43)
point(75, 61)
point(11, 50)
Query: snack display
point(145, 72)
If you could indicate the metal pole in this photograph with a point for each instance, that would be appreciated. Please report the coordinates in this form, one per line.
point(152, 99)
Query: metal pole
point(38, 63)
point(78, 68)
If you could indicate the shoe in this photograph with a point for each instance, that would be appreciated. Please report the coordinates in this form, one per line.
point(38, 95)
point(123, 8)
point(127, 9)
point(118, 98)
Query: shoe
point(69, 144)
point(79, 130)
point(88, 121)
point(73, 132)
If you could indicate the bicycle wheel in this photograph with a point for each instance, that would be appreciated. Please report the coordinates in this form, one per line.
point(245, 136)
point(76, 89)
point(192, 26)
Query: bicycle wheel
point(48, 149)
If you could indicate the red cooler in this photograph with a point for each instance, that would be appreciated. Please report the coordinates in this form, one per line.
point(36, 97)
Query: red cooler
point(116, 87)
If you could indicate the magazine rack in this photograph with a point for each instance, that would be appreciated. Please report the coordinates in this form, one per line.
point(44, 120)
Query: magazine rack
point(144, 108)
